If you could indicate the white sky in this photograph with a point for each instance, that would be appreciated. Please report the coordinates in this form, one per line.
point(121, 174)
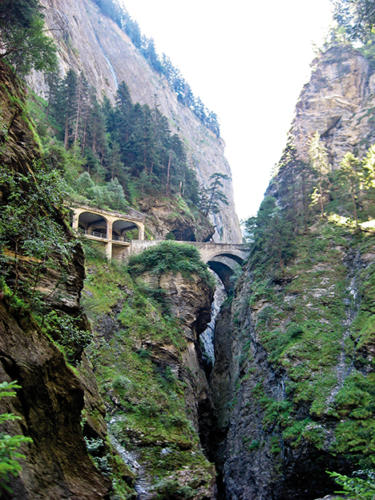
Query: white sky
point(248, 61)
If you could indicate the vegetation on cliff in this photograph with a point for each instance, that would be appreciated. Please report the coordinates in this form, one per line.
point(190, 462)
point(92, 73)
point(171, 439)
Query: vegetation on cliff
point(118, 156)
point(41, 279)
point(9, 445)
point(127, 149)
point(170, 256)
point(161, 65)
point(137, 356)
point(303, 327)
point(309, 287)
point(24, 43)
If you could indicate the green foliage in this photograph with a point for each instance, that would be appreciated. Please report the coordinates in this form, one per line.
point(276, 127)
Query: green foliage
point(357, 17)
point(95, 448)
point(170, 489)
point(112, 155)
point(354, 405)
point(271, 236)
point(9, 445)
point(302, 315)
point(170, 257)
point(127, 141)
point(353, 189)
point(109, 195)
point(321, 167)
point(213, 196)
point(276, 412)
point(254, 445)
point(23, 40)
point(360, 488)
point(29, 230)
point(162, 65)
point(67, 332)
point(151, 409)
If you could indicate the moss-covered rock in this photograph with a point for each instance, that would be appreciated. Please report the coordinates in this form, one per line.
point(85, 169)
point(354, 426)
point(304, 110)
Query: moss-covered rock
point(297, 393)
point(149, 373)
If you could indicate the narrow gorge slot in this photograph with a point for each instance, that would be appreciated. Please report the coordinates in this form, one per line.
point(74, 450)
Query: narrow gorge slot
point(211, 436)
point(148, 349)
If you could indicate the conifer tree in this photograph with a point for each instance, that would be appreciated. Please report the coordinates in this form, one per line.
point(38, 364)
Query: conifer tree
point(68, 104)
point(54, 88)
point(350, 179)
point(23, 41)
point(357, 18)
point(320, 164)
point(115, 165)
point(213, 196)
point(96, 131)
point(82, 109)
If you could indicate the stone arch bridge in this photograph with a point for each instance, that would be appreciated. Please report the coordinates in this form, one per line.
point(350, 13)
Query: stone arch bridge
point(222, 258)
point(123, 236)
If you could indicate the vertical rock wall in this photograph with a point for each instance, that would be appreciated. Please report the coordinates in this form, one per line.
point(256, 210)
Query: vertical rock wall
point(52, 396)
point(90, 42)
point(294, 344)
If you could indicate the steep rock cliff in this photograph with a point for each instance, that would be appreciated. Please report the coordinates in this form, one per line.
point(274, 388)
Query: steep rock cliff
point(338, 103)
point(52, 396)
point(291, 395)
point(90, 42)
point(147, 361)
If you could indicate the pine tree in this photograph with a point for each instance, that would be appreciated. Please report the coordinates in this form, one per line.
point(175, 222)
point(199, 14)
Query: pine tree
point(119, 120)
point(68, 104)
point(350, 177)
point(82, 110)
point(115, 165)
point(213, 196)
point(357, 17)
point(96, 132)
point(54, 88)
point(23, 42)
point(320, 164)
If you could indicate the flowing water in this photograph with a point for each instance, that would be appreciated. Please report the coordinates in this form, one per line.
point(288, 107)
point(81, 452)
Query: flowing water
point(142, 483)
point(111, 68)
point(207, 337)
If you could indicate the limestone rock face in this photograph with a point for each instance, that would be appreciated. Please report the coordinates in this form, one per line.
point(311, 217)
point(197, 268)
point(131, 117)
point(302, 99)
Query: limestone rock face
point(288, 347)
point(49, 404)
point(190, 301)
point(156, 391)
point(52, 396)
point(337, 103)
point(182, 225)
point(90, 42)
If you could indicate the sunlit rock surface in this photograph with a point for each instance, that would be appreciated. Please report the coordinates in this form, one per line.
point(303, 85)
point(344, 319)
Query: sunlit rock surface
point(90, 42)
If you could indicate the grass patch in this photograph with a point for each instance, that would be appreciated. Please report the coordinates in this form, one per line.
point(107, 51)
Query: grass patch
point(173, 257)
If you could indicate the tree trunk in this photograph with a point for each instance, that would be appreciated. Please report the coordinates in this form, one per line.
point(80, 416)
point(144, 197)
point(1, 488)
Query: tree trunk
point(167, 187)
point(66, 134)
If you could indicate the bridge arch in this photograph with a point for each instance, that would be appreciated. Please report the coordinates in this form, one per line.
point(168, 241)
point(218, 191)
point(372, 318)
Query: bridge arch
point(225, 265)
point(222, 258)
point(123, 230)
point(93, 224)
point(224, 273)
point(113, 229)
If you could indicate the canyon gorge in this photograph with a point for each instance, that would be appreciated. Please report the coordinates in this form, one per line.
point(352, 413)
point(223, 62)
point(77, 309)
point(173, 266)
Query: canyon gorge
point(175, 374)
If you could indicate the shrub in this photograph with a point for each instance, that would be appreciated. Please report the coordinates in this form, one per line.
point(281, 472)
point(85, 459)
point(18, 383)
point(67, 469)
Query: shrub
point(170, 257)
point(356, 487)
point(171, 489)
point(9, 445)
point(65, 330)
